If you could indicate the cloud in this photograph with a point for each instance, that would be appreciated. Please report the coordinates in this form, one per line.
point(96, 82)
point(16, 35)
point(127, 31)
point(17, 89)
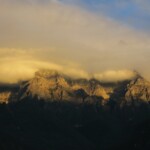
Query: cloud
point(52, 34)
point(115, 75)
point(21, 64)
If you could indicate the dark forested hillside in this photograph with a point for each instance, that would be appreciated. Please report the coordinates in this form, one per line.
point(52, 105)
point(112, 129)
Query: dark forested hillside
point(39, 125)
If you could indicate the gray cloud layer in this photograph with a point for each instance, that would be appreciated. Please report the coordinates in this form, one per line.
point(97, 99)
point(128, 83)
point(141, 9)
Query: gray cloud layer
point(67, 38)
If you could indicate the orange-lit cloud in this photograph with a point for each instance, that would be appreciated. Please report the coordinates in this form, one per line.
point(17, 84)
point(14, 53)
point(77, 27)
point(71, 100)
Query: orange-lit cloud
point(67, 38)
point(115, 75)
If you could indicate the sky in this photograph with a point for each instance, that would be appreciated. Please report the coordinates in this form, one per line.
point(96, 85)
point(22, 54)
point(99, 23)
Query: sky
point(107, 40)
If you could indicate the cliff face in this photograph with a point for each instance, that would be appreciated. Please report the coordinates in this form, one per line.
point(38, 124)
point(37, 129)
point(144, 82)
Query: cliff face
point(91, 87)
point(46, 85)
point(52, 85)
point(8, 92)
point(138, 89)
point(4, 97)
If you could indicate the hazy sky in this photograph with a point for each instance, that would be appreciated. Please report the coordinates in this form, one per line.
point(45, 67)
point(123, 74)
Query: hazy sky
point(83, 38)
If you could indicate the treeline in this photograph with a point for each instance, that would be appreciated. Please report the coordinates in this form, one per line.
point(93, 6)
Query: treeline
point(56, 125)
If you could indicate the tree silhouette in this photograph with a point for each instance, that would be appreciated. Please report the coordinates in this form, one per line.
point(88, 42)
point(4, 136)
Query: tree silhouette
point(80, 93)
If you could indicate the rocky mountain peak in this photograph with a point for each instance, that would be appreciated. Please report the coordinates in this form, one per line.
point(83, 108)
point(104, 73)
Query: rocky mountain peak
point(138, 89)
point(139, 81)
point(50, 84)
point(46, 85)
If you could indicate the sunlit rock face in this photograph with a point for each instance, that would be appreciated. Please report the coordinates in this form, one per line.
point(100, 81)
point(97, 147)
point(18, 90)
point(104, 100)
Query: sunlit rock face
point(4, 97)
point(47, 85)
point(51, 85)
point(91, 87)
point(138, 89)
point(8, 92)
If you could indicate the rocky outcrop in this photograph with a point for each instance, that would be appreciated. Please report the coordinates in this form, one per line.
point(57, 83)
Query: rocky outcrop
point(4, 97)
point(92, 88)
point(138, 89)
point(51, 85)
point(47, 85)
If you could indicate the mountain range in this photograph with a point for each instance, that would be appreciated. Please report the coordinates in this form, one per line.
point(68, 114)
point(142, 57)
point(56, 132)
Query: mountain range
point(50, 85)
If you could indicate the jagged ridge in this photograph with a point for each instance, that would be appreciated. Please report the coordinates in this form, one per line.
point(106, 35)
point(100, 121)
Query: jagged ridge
point(51, 85)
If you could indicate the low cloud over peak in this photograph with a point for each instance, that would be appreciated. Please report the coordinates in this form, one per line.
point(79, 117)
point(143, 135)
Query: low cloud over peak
point(70, 39)
point(115, 75)
point(19, 65)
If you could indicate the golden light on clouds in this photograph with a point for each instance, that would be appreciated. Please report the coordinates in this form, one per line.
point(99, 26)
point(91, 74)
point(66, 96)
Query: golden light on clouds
point(69, 39)
point(115, 75)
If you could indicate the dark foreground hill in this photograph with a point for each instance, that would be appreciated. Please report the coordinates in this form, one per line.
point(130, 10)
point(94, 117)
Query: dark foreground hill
point(27, 126)
point(40, 125)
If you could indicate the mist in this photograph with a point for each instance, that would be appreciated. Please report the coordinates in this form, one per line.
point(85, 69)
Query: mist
point(55, 35)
